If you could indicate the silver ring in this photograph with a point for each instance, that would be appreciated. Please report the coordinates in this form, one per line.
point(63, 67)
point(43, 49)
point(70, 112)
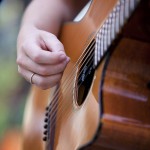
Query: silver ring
point(32, 78)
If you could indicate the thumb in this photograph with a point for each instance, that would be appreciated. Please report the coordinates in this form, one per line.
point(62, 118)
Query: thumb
point(52, 43)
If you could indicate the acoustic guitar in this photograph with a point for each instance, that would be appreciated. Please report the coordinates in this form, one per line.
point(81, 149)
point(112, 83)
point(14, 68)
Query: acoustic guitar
point(103, 99)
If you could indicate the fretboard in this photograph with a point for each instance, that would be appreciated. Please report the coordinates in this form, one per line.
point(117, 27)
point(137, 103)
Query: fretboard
point(112, 26)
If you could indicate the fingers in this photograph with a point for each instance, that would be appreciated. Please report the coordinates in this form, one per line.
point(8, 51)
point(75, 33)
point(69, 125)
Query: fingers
point(44, 55)
point(41, 69)
point(44, 82)
point(52, 43)
point(49, 50)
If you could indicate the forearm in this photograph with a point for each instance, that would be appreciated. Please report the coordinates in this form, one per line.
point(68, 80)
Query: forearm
point(45, 15)
point(48, 15)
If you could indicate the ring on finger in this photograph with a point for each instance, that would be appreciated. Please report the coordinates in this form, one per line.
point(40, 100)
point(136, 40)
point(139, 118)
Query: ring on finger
point(31, 78)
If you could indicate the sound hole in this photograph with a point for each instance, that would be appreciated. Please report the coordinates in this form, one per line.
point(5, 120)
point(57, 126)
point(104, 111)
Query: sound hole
point(85, 74)
point(148, 85)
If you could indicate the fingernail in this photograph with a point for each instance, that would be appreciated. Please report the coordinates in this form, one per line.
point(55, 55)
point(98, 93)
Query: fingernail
point(68, 59)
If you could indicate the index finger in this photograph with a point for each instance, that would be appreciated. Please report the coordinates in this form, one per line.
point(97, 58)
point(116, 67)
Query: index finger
point(38, 55)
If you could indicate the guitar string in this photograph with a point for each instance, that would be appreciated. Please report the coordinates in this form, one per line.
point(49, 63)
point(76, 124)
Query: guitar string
point(54, 100)
point(61, 110)
point(67, 116)
point(98, 30)
point(69, 79)
point(89, 59)
point(81, 56)
point(55, 103)
point(64, 89)
point(123, 0)
point(52, 121)
point(91, 124)
point(85, 49)
point(72, 77)
point(53, 117)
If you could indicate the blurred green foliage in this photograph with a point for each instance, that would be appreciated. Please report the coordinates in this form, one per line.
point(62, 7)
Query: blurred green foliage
point(12, 98)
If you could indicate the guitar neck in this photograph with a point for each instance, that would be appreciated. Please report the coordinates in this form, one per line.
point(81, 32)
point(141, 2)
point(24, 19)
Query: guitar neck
point(112, 26)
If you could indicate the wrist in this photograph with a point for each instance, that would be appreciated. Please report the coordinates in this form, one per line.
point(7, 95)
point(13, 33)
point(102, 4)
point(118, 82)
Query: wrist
point(25, 32)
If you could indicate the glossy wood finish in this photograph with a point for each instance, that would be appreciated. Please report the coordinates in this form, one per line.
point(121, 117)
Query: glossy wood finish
point(34, 119)
point(81, 33)
point(119, 118)
point(126, 99)
point(126, 82)
point(138, 27)
point(79, 125)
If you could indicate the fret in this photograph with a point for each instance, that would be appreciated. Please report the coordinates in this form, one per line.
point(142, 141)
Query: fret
point(122, 11)
point(112, 26)
point(105, 37)
point(127, 9)
point(102, 43)
point(96, 50)
point(108, 33)
point(99, 54)
point(117, 25)
point(132, 5)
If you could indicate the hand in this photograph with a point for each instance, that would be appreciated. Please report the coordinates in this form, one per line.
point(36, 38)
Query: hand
point(40, 52)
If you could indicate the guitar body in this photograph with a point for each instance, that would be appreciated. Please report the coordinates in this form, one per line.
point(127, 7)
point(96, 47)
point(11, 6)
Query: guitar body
point(110, 109)
point(125, 99)
point(79, 124)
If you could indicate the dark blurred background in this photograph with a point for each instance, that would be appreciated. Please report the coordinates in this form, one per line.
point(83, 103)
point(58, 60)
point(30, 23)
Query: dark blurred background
point(13, 88)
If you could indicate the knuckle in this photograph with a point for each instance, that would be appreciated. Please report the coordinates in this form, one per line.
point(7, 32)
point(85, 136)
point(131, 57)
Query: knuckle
point(41, 82)
point(48, 35)
point(43, 71)
point(59, 46)
point(19, 60)
point(36, 57)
